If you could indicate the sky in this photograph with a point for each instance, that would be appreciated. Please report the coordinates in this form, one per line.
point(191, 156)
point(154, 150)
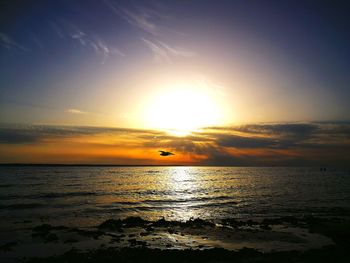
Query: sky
point(216, 82)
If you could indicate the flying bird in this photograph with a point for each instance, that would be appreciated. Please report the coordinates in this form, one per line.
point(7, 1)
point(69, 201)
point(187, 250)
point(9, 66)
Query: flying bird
point(164, 153)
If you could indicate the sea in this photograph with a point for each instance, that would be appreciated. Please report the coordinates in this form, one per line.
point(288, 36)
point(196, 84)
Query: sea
point(89, 195)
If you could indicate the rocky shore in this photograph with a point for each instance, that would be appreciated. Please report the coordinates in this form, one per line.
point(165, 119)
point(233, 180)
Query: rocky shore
point(133, 239)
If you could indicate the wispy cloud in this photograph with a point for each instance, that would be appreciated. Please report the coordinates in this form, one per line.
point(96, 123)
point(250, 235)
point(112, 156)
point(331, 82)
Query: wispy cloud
point(21, 134)
point(81, 112)
point(76, 111)
point(49, 107)
point(35, 39)
point(93, 42)
point(9, 43)
point(104, 50)
point(141, 17)
point(57, 29)
point(66, 30)
point(159, 53)
point(150, 22)
point(176, 51)
point(29, 104)
point(165, 53)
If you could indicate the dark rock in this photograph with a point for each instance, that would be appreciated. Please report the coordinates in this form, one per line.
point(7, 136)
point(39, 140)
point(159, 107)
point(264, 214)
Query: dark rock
point(199, 223)
point(171, 231)
point(149, 229)
point(88, 233)
point(111, 224)
point(8, 246)
point(132, 241)
point(44, 228)
point(265, 227)
point(161, 223)
point(134, 221)
point(246, 255)
point(70, 240)
point(51, 238)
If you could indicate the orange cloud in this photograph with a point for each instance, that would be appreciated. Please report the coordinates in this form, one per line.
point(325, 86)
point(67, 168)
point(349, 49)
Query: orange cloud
point(273, 144)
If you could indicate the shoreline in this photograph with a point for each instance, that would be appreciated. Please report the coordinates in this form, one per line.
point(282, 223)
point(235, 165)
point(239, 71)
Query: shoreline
point(134, 239)
point(327, 254)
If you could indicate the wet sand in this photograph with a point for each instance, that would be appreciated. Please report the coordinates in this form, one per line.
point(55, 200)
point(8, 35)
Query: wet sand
point(286, 239)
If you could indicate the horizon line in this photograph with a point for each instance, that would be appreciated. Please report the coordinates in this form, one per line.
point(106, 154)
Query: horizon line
point(164, 165)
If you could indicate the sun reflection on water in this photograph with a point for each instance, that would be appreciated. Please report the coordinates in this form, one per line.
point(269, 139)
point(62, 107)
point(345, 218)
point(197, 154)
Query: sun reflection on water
point(183, 181)
point(181, 174)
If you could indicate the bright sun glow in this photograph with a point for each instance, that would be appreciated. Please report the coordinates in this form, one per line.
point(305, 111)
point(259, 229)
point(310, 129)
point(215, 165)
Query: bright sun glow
point(182, 110)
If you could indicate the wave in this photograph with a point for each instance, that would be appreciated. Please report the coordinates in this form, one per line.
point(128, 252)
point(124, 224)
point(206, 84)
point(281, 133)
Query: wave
point(197, 199)
point(156, 204)
point(70, 194)
point(6, 185)
point(50, 195)
point(138, 207)
point(21, 206)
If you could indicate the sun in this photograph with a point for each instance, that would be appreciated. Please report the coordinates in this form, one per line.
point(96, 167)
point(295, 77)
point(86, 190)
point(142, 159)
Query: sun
point(182, 109)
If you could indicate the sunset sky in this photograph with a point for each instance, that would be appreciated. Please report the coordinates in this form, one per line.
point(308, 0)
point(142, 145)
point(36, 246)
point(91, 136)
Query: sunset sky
point(216, 82)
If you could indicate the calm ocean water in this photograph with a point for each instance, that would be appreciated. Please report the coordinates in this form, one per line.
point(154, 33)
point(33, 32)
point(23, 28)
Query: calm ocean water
point(85, 196)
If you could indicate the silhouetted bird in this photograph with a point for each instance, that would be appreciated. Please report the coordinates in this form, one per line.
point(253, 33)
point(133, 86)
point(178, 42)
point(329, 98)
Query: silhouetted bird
point(164, 153)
